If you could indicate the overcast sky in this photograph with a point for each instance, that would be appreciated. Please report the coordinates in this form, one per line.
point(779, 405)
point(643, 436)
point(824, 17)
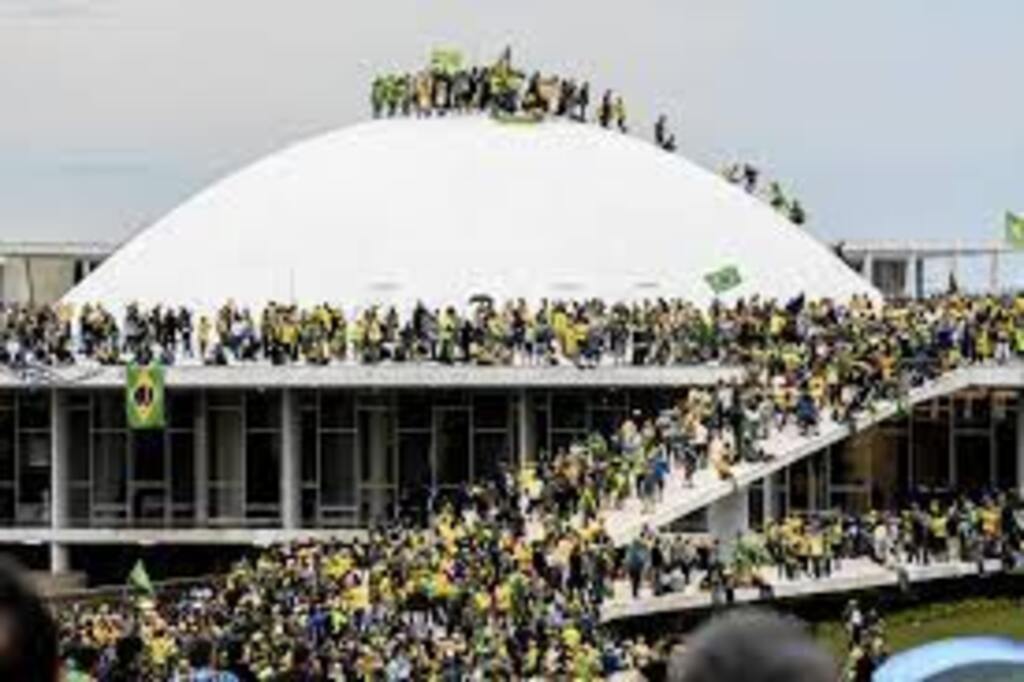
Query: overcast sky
point(889, 118)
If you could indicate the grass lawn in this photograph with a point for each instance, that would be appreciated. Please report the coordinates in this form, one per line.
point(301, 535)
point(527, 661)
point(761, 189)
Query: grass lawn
point(930, 622)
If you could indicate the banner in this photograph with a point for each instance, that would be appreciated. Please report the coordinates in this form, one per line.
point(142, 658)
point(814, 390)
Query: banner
point(144, 396)
point(1014, 230)
point(724, 279)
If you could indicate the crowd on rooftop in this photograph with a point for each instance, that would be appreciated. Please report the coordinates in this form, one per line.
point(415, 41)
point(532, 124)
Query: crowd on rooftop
point(446, 86)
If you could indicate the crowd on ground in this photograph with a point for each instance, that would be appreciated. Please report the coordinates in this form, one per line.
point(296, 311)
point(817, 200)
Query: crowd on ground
point(815, 546)
point(481, 592)
point(866, 645)
point(962, 530)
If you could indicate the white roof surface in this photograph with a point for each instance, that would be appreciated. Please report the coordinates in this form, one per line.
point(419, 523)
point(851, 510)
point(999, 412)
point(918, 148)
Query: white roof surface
point(441, 209)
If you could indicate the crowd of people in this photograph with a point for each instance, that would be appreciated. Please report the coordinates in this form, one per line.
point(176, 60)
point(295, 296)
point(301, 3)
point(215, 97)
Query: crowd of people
point(507, 579)
point(748, 176)
point(447, 86)
point(866, 645)
point(478, 593)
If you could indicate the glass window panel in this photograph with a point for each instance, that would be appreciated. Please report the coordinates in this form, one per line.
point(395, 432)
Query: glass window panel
point(309, 503)
point(78, 445)
point(263, 468)
point(307, 444)
point(7, 399)
point(108, 410)
point(562, 440)
point(263, 410)
point(799, 487)
point(851, 460)
point(181, 409)
point(607, 421)
point(35, 451)
point(492, 452)
point(931, 455)
point(225, 443)
point(490, 411)
point(148, 456)
point(851, 502)
point(226, 502)
point(337, 470)
point(7, 506)
point(376, 453)
point(34, 410)
point(149, 505)
point(183, 463)
point(110, 468)
point(306, 399)
point(453, 447)
point(1006, 452)
point(337, 410)
point(972, 410)
point(414, 411)
point(7, 448)
point(569, 411)
point(414, 461)
point(224, 398)
point(78, 505)
point(609, 399)
point(973, 463)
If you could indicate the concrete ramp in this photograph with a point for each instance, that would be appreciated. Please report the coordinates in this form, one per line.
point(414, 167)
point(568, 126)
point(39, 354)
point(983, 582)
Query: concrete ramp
point(783, 448)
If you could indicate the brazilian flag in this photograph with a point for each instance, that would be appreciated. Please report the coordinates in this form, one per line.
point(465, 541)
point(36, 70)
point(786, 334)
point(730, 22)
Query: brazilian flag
point(1014, 230)
point(723, 279)
point(144, 396)
point(445, 61)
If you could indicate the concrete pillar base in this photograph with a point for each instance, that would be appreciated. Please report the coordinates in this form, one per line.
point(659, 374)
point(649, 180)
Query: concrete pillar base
point(60, 559)
point(728, 519)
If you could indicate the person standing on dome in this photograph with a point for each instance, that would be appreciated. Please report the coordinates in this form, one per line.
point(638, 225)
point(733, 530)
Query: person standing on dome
point(619, 109)
point(605, 113)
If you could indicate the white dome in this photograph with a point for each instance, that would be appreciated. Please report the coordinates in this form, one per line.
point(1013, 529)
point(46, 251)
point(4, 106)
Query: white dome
point(441, 209)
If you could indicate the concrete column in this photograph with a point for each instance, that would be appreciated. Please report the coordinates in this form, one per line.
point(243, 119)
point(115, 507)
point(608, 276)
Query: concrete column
point(729, 518)
point(868, 267)
point(59, 506)
point(291, 511)
point(60, 559)
point(768, 490)
point(527, 437)
point(919, 277)
point(201, 469)
point(993, 273)
point(1020, 442)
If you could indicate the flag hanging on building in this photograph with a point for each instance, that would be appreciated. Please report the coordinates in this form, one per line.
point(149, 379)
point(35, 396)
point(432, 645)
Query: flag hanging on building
point(1014, 230)
point(723, 279)
point(139, 580)
point(144, 396)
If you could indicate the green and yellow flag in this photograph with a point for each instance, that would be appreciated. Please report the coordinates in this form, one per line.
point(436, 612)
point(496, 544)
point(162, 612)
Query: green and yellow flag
point(1014, 230)
point(139, 580)
point(144, 396)
point(723, 279)
point(445, 61)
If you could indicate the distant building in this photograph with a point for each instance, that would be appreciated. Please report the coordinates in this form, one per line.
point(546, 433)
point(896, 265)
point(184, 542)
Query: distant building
point(42, 272)
point(897, 267)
